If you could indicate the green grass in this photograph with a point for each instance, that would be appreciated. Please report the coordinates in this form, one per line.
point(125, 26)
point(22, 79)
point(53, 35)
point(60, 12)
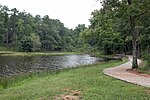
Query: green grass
point(13, 53)
point(89, 80)
point(2, 48)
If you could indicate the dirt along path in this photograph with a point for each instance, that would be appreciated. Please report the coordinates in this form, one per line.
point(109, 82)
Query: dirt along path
point(121, 72)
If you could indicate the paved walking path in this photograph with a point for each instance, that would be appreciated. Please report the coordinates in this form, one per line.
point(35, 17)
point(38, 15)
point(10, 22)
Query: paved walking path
point(120, 72)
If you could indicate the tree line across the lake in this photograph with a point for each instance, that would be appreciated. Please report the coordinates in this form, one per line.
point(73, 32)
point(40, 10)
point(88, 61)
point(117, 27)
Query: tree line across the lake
point(20, 31)
point(120, 26)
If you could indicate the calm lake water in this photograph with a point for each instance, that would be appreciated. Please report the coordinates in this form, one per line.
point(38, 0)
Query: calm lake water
point(14, 65)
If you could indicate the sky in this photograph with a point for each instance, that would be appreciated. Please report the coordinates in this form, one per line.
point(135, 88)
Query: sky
point(69, 12)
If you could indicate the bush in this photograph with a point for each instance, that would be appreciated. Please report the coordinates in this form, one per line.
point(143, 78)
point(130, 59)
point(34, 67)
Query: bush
point(146, 58)
point(26, 45)
point(3, 48)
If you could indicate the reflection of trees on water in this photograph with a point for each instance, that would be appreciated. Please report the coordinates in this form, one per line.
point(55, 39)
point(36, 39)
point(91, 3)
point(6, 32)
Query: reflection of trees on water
point(14, 65)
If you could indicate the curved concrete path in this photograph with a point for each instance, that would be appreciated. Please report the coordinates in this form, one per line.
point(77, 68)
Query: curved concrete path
point(120, 72)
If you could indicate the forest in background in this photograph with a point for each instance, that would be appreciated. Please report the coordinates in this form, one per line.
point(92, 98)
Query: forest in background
point(120, 26)
point(20, 31)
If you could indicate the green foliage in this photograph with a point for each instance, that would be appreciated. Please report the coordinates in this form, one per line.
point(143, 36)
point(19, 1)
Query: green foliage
point(36, 42)
point(117, 25)
point(146, 58)
point(44, 34)
point(3, 48)
point(120, 26)
point(26, 45)
point(102, 35)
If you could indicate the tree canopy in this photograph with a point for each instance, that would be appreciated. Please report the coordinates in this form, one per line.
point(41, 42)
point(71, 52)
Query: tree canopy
point(120, 26)
point(19, 29)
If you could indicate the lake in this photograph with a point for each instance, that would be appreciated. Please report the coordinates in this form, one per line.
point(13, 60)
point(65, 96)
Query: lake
point(15, 65)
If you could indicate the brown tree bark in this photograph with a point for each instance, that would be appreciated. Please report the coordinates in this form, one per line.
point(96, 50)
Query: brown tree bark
point(134, 38)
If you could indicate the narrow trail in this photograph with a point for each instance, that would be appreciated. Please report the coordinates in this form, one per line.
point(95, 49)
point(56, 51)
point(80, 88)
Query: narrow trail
point(120, 72)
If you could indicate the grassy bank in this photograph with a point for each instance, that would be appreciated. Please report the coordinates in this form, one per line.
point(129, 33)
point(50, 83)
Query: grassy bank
point(12, 53)
point(88, 80)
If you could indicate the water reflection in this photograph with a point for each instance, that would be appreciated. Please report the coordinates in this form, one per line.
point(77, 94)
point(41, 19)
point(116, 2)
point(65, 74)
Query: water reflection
point(14, 65)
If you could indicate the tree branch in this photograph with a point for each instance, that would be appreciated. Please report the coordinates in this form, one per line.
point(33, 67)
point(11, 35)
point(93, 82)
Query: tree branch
point(143, 13)
point(129, 2)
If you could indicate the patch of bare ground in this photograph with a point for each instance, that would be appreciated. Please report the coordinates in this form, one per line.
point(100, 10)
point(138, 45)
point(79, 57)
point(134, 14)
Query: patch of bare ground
point(147, 91)
point(69, 95)
point(137, 72)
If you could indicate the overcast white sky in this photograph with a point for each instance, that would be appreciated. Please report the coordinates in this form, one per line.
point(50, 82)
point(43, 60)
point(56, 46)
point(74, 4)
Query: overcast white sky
point(70, 12)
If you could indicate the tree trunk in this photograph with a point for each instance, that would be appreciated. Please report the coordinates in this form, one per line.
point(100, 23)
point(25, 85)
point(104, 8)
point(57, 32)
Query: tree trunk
point(134, 43)
point(138, 45)
point(134, 62)
point(7, 39)
point(134, 38)
point(139, 51)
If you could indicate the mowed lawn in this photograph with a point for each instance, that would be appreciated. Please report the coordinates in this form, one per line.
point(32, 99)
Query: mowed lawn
point(89, 81)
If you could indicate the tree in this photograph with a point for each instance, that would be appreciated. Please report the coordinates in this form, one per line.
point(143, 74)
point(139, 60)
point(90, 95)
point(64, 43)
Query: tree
point(130, 11)
point(102, 33)
point(2, 27)
point(26, 45)
point(20, 28)
point(35, 39)
point(5, 11)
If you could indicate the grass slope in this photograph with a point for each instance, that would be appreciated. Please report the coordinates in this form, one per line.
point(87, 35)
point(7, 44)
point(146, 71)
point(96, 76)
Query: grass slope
point(88, 80)
point(13, 53)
